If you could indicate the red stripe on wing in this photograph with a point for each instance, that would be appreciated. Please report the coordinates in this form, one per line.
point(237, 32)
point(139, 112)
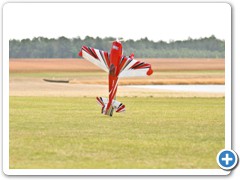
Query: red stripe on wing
point(124, 63)
point(99, 100)
point(85, 48)
point(90, 51)
point(121, 108)
point(106, 57)
point(93, 53)
point(140, 65)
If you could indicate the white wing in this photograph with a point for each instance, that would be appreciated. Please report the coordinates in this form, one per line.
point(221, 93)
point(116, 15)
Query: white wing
point(133, 68)
point(98, 57)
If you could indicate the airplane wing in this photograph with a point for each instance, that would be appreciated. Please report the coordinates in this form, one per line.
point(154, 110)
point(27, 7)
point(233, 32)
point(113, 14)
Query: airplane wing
point(98, 57)
point(133, 68)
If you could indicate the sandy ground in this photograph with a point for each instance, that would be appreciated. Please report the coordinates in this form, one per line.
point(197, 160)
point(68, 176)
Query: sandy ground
point(97, 85)
point(38, 87)
point(154, 81)
point(44, 65)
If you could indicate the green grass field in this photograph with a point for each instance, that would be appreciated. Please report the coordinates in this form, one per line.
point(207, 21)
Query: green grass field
point(70, 132)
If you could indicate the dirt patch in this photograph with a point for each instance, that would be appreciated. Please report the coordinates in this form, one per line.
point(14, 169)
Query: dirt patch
point(74, 65)
point(38, 87)
point(89, 80)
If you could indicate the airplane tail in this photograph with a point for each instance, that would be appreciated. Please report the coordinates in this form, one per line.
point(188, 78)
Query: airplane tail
point(117, 106)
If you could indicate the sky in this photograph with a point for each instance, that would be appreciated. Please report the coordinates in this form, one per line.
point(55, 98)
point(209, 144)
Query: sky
point(156, 21)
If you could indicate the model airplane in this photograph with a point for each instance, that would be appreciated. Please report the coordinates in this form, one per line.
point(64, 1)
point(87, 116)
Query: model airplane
point(117, 66)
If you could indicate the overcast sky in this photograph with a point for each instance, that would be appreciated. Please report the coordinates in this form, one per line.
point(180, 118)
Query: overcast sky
point(156, 21)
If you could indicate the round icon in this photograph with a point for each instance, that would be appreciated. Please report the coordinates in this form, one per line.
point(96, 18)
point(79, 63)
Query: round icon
point(227, 159)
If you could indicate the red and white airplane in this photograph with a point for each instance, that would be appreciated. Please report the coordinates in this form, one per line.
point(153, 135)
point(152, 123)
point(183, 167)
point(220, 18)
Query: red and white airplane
point(117, 66)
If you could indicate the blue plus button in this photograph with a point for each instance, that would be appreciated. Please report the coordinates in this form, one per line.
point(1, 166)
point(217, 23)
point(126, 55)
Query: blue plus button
point(227, 159)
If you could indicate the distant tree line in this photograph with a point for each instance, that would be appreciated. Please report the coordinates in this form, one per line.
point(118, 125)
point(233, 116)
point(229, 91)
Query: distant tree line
point(62, 47)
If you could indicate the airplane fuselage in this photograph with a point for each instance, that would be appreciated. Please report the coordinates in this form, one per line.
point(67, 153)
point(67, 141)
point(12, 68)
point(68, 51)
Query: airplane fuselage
point(114, 70)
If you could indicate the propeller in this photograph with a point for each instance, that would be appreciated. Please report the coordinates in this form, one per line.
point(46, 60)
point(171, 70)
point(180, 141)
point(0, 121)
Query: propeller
point(118, 40)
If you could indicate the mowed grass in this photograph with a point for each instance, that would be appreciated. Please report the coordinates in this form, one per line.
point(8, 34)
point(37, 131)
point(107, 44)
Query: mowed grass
point(90, 74)
point(67, 132)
